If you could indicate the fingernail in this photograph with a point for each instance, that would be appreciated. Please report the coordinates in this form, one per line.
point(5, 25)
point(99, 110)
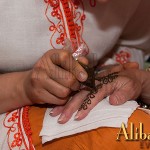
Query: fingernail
point(116, 101)
point(76, 117)
point(83, 75)
point(51, 112)
point(61, 118)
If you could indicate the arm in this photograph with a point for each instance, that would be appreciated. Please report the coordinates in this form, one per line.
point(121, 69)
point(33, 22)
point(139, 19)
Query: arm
point(50, 81)
point(11, 95)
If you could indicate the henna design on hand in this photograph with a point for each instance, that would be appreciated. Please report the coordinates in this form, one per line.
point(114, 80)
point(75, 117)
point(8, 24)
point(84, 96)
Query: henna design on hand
point(102, 80)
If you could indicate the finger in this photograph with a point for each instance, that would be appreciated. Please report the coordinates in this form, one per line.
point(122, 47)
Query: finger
point(41, 79)
point(56, 111)
point(66, 61)
point(55, 88)
point(83, 60)
point(131, 65)
point(45, 97)
point(104, 88)
point(92, 100)
point(64, 78)
point(117, 68)
point(56, 73)
point(118, 98)
point(72, 106)
point(59, 109)
point(108, 69)
point(124, 92)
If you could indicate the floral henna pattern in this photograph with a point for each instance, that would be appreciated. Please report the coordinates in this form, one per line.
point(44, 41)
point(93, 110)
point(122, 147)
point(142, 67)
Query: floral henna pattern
point(102, 80)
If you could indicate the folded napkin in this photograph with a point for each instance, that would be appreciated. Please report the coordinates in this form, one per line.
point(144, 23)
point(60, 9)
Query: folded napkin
point(103, 115)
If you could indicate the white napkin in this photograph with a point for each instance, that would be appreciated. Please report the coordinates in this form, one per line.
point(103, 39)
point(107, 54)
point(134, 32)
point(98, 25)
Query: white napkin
point(102, 115)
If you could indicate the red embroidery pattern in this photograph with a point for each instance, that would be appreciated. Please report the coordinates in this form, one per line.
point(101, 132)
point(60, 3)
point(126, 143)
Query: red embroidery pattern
point(93, 3)
point(16, 133)
point(67, 21)
point(17, 140)
point(122, 57)
point(27, 127)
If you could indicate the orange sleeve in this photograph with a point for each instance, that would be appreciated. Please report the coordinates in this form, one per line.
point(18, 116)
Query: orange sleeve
point(101, 138)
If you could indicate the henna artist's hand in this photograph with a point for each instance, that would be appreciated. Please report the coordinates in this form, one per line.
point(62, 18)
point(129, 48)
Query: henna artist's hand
point(53, 77)
point(121, 87)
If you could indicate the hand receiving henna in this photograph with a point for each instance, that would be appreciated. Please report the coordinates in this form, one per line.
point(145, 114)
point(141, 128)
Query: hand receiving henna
point(121, 87)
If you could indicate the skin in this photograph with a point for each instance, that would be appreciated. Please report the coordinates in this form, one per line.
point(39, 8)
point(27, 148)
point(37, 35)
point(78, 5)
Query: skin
point(102, 1)
point(130, 84)
point(56, 69)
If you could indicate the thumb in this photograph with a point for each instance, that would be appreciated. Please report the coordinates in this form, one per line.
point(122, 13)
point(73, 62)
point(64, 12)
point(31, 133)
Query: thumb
point(118, 97)
point(83, 60)
point(131, 65)
point(124, 89)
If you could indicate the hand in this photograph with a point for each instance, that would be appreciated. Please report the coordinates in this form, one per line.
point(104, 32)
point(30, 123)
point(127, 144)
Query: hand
point(103, 1)
point(53, 77)
point(125, 87)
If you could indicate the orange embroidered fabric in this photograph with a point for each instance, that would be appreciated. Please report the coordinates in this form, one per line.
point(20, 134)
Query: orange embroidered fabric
point(102, 138)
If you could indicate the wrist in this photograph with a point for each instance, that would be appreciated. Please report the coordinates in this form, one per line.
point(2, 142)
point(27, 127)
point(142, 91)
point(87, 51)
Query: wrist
point(22, 88)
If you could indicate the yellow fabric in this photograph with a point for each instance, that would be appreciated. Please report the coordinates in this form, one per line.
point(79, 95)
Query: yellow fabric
point(99, 139)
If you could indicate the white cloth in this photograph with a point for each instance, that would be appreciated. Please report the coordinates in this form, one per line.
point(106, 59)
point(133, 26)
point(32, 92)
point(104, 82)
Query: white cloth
point(126, 54)
point(25, 35)
point(103, 115)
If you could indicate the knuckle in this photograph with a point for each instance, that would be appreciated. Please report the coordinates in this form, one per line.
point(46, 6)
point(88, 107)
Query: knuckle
point(65, 92)
point(69, 109)
point(35, 76)
point(71, 80)
point(49, 52)
point(64, 55)
point(40, 65)
point(38, 92)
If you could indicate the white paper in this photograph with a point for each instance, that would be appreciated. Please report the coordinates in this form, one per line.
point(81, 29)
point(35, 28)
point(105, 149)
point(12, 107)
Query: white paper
point(102, 115)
